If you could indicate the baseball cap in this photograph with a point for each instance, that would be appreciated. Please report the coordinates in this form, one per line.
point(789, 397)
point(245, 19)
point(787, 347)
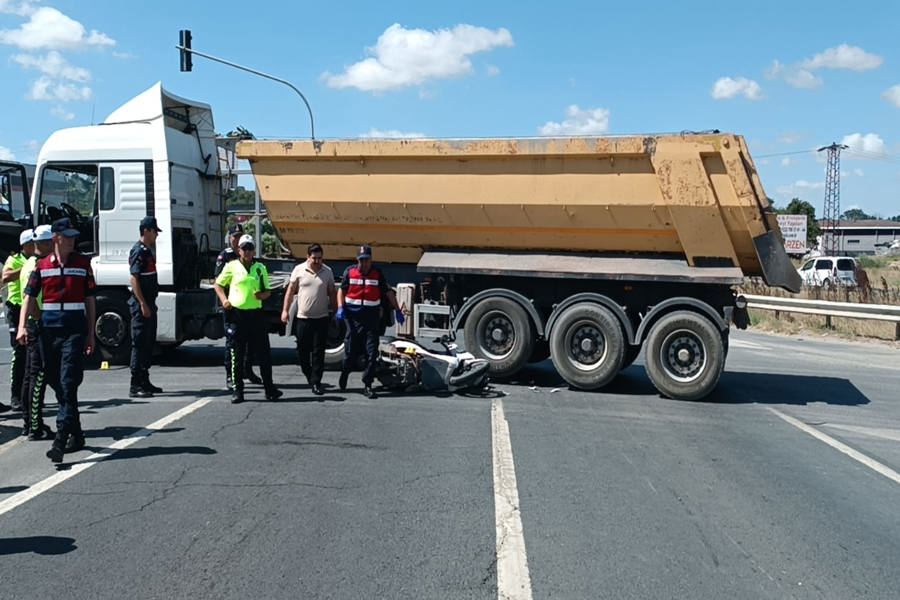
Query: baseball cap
point(246, 241)
point(26, 236)
point(149, 222)
point(64, 227)
point(364, 251)
point(42, 233)
point(236, 229)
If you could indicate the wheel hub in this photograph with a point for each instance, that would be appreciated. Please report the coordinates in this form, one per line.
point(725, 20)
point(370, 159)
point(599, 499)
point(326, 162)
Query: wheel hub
point(684, 355)
point(586, 345)
point(110, 329)
point(497, 336)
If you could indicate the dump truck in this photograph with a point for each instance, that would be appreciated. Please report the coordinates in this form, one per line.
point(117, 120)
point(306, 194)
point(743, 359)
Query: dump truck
point(583, 249)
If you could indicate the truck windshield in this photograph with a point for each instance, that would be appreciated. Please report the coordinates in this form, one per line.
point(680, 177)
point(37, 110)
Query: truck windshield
point(70, 191)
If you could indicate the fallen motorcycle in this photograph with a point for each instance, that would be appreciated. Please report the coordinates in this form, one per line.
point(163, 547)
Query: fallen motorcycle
point(405, 365)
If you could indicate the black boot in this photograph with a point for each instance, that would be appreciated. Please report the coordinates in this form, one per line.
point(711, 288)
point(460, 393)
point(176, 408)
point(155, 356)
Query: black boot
point(273, 393)
point(56, 451)
point(370, 392)
point(137, 389)
point(153, 389)
point(75, 442)
point(237, 396)
point(43, 432)
point(342, 380)
point(254, 378)
point(317, 389)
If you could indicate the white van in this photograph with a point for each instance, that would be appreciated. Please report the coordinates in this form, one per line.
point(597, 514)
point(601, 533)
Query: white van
point(829, 270)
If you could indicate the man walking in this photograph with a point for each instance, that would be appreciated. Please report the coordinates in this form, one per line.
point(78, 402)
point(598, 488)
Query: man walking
point(312, 282)
point(11, 269)
point(142, 305)
point(228, 254)
point(359, 302)
point(67, 334)
point(34, 385)
point(247, 281)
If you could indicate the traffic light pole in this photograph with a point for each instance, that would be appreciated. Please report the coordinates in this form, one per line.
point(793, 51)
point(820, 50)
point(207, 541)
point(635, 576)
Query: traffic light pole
point(186, 51)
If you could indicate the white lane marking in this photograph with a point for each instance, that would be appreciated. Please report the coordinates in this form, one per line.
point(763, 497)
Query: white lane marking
point(745, 344)
point(887, 434)
point(856, 455)
point(513, 580)
point(88, 462)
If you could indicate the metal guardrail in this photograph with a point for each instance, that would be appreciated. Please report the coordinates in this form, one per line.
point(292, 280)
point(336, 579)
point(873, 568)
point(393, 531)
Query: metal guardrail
point(828, 309)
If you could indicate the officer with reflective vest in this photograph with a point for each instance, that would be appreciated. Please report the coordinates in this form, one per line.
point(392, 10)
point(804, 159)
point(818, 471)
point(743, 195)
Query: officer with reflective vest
point(67, 283)
point(142, 306)
point(359, 301)
point(228, 254)
point(35, 384)
point(247, 281)
point(11, 269)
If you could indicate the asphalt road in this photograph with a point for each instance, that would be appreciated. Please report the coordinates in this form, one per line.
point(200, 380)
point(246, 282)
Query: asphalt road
point(621, 494)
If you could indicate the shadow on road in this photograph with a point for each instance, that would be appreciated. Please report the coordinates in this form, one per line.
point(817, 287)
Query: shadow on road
point(213, 355)
point(129, 453)
point(118, 432)
point(13, 489)
point(39, 544)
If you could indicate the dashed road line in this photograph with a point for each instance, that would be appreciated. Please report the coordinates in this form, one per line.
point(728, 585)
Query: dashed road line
point(513, 579)
point(83, 465)
point(856, 455)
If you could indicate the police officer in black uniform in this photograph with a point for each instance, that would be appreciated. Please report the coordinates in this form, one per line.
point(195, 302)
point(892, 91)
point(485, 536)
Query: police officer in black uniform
point(142, 305)
point(228, 254)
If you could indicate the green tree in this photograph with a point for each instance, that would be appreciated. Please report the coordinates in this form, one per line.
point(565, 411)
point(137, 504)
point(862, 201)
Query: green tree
point(801, 207)
point(895, 218)
point(855, 214)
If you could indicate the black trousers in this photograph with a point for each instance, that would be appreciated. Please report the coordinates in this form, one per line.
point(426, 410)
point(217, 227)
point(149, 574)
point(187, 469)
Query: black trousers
point(230, 329)
point(143, 339)
point(311, 337)
point(35, 385)
point(16, 357)
point(362, 339)
point(63, 352)
point(251, 335)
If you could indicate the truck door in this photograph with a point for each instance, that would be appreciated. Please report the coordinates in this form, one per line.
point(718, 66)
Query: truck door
point(15, 207)
point(122, 203)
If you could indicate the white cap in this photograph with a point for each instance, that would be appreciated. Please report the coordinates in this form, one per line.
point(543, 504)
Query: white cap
point(43, 233)
point(245, 240)
point(26, 237)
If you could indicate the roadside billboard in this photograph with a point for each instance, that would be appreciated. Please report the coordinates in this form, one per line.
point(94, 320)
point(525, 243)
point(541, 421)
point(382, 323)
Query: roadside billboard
point(793, 230)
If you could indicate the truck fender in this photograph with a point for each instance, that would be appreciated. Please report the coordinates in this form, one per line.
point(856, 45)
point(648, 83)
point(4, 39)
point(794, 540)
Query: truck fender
point(596, 299)
point(460, 318)
point(685, 302)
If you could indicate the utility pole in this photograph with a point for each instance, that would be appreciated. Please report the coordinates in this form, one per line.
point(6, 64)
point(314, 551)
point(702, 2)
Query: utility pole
point(832, 214)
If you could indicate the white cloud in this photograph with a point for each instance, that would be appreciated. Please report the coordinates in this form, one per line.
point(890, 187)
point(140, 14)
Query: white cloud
point(406, 57)
point(892, 95)
point(49, 29)
point(23, 8)
point(391, 133)
point(869, 145)
point(786, 161)
point(852, 58)
point(6, 154)
point(53, 65)
point(61, 113)
point(800, 186)
point(794, 75)
point(123, 55)
point(790, 137)
point(589, 121)
point(726, 88)
point(47, 89)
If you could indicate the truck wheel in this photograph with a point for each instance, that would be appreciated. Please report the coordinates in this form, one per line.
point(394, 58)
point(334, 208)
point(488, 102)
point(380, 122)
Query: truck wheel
point(112, 330)
point(499, 331)
point(587, 345)
point(685, 355)
point(631, 354)
point(334, 345)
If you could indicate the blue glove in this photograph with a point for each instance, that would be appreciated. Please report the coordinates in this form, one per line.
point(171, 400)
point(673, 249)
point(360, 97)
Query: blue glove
point(339, 315)
point(401, 318)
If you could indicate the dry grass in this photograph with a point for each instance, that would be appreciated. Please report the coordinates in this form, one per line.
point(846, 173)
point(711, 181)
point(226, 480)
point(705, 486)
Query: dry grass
point(884, 280)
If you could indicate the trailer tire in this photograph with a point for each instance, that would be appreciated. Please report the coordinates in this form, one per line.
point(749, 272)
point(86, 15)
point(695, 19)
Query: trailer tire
point(685, 355)
point(499, 331)
point(112, 329)
point(334, 345)
point(587, 345)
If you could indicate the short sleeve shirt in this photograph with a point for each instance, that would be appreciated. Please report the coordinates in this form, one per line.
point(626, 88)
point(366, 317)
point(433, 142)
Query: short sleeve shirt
point(313, 290)
point(243, 283)
point(142, 264)
point(225, 256)
point(13, 262)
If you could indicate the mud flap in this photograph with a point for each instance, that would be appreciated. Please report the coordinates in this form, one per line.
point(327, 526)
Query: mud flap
point(778, 270)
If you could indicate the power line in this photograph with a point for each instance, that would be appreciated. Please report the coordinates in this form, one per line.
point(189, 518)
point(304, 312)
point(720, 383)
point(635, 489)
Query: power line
point(832, 212)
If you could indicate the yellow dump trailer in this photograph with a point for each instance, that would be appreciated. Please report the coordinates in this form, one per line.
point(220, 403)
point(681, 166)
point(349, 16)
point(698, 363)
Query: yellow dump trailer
point(581, 248)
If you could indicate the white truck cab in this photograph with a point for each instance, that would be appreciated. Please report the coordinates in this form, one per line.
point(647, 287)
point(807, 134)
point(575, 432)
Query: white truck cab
point(155, 155)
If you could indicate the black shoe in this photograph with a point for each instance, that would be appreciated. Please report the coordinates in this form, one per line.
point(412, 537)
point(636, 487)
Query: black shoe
point(41, 434)
point(56, 451)
point(75, 443)
point(342, 380)
point(16, 406)
point(370, 393)
point(237, 397)
point(153, 389)
point(137, 392)
point(26, 430)
point(274, 394)
point(254, 379)
point(317, 389)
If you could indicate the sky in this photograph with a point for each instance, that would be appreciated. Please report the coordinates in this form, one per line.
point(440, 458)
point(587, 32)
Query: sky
point(789, 76)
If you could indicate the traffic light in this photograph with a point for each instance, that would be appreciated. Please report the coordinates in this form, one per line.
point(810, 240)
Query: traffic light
point(184, 40)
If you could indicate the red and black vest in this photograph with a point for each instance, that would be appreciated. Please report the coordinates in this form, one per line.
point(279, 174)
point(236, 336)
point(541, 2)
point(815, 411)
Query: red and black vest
point(363, 290)
point(64, 287)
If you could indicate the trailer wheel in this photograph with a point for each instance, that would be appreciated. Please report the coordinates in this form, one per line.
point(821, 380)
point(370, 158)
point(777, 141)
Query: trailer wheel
point(112, 329)
point(685, 355)
point(334, 345)
point(587, 345)
point(499, 331)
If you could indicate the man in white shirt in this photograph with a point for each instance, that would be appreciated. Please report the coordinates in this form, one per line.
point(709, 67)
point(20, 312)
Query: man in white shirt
point(312, 282)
